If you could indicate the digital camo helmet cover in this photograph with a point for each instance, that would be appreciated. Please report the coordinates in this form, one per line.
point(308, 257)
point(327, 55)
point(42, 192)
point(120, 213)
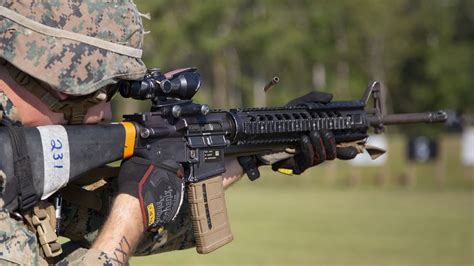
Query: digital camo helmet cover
point(76, 47)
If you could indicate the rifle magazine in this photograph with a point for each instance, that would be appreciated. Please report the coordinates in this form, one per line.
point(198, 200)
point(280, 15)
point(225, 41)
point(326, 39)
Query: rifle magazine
point(209, 215)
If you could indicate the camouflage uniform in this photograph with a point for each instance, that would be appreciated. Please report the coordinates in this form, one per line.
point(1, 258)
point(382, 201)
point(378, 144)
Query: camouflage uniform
point(75, 65)
point(8, 110)
point(18, 245)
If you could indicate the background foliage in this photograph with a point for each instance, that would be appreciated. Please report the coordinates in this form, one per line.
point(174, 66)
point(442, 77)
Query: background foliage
point(421, 50)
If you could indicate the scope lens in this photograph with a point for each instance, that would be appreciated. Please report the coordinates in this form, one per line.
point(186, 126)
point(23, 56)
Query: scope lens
point(166, 86)
point(124, 88)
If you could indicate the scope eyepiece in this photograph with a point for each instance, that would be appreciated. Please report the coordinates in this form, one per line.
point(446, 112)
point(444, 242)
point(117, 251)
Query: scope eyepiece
point(182, 85)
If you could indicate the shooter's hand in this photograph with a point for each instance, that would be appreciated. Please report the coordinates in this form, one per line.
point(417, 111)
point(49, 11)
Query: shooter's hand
point(313, 149)
point(158, 186)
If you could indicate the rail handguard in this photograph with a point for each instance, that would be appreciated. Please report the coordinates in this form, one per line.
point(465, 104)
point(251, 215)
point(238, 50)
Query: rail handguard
point(196, 137)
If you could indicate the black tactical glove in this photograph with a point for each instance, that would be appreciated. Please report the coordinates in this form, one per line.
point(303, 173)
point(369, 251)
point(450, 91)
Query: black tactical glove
point(158, 186)
point(312, 150)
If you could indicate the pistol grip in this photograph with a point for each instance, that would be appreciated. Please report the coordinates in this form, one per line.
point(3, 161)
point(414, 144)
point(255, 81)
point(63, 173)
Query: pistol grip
point(209, 215)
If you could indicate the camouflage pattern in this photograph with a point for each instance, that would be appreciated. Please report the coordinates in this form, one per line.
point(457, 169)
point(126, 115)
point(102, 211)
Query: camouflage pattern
point(18, 245)
point(82, 223)
point(8, 109)
point(84, 256)
point(69, 66)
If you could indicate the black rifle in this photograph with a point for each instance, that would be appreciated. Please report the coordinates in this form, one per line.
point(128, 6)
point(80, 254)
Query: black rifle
point(196, 137)
point(201, 132)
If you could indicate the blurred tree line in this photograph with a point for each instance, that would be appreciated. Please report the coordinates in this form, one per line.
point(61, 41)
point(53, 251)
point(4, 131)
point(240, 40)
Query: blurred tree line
point(422, 51)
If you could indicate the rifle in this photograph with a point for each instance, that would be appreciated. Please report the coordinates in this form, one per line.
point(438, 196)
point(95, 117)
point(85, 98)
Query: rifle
point(195, 136)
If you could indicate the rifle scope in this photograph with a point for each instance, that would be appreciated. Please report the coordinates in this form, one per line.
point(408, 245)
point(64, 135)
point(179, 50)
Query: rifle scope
point(181, 85)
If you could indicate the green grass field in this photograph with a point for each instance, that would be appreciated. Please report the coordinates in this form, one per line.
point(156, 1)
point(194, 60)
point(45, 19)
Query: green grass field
point(301, 224)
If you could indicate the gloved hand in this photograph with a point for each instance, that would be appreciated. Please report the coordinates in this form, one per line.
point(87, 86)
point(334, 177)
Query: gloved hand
point(313, 149)
point(158, 186)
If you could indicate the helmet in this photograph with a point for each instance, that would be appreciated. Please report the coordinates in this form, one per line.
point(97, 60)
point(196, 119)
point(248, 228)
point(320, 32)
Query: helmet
point(76, 47)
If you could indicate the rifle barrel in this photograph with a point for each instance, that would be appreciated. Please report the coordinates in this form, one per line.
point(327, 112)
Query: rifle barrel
point(410, 118)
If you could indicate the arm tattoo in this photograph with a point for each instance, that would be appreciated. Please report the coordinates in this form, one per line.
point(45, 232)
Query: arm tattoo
point(121, 252)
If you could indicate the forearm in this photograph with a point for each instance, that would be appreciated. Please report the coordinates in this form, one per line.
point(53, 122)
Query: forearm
point(122, 230)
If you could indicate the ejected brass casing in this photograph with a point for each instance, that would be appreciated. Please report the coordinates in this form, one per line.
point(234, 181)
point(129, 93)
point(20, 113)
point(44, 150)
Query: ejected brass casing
point(271, 83)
